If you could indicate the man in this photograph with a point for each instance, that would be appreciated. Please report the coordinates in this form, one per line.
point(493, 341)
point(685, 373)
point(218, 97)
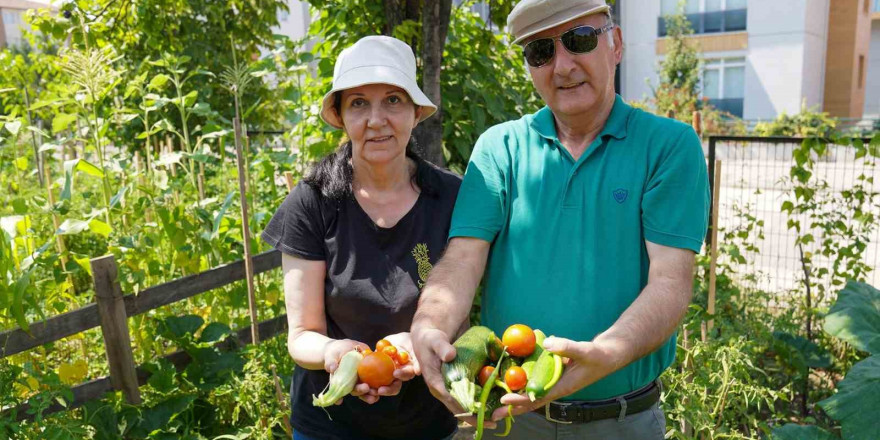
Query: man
point(586, 217)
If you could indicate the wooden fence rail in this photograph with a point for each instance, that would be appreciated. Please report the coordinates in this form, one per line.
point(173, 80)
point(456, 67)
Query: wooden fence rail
point(86, 318)
point(111, 312)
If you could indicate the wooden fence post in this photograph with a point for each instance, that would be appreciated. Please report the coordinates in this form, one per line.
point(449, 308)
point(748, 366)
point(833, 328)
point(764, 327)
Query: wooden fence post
point(713, 262)
point(114, 326)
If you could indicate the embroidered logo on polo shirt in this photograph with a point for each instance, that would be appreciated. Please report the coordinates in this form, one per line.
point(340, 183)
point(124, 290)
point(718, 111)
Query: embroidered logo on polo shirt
point(620, 195)
point(420, 253)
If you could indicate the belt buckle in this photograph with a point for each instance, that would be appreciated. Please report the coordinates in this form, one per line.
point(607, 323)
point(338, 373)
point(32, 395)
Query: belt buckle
point(550, 418)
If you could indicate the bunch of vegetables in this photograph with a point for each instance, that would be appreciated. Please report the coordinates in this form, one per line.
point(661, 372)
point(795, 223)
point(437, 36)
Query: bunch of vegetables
point(486, 367)
point(375, 368)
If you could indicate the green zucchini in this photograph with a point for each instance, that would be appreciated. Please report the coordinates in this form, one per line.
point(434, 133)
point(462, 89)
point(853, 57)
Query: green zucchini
point(529, 361)
point(460, 375)
point(545, 374)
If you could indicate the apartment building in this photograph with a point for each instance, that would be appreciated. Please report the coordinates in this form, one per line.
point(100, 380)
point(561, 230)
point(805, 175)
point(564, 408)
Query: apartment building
point(12, 24)
point(761, 58)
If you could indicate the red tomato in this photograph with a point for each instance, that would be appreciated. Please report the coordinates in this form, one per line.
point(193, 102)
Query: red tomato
point(519, 340)
point(376, 370)
point(515, 378)
point(485, 372)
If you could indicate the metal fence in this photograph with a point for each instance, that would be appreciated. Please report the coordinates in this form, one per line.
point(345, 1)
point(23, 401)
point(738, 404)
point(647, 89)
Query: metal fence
point(755, 181)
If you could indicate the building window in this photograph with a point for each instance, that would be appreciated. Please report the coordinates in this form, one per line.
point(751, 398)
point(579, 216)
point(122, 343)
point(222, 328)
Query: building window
point(861, 71)
point(723, 84)
point(876, 5)
point(707, 16)
point(11, 17)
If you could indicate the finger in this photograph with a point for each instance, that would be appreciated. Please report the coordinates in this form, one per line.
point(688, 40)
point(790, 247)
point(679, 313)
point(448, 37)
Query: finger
point(405, 373)
point(391, 390)
point(443, 349)
point(471, 420)
point(360, 389)
point(567, 348)
point(515, 399)
point(369, 399)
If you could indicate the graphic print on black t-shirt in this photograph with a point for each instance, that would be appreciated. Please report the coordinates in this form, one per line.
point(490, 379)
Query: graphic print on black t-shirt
point(371, 289)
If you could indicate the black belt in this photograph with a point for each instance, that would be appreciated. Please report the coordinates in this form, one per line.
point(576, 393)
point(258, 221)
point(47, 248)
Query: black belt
point(584, 412)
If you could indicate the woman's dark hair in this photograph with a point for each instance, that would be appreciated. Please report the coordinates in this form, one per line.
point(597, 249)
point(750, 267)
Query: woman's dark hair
point(333, 175)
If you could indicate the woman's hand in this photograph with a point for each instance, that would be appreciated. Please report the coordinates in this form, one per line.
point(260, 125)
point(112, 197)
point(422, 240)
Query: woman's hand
point(402, 373)
point(333, 352)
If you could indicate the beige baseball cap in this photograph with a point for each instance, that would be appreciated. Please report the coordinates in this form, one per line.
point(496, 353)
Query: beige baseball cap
point(529, 17)
point(376, 59)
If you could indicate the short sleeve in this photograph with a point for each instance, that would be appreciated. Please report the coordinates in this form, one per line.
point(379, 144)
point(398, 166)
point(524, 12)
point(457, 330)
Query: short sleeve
point(297, 228)
point(675, 204)
point(481, 206)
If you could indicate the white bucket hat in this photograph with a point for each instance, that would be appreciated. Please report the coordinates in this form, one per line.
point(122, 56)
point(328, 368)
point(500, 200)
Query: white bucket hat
point(376, 60)
point(530, 17)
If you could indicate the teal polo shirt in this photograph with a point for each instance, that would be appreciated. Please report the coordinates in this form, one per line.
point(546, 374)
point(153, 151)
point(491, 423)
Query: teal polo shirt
point(568, 236)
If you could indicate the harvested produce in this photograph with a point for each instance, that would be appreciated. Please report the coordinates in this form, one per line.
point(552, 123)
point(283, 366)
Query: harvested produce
point(341, 382)
point(460, 374)
point(376, 369)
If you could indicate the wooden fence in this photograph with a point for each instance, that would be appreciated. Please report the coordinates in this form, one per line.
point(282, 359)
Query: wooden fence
point(111, 311)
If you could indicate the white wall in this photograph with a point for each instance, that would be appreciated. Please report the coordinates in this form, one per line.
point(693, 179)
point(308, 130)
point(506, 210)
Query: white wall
point(775, 70)
point(296, 23)
point(639, 26)
point(815, 49)
point(872, 84)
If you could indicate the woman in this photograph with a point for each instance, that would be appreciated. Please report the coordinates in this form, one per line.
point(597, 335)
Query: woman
point(358, 237)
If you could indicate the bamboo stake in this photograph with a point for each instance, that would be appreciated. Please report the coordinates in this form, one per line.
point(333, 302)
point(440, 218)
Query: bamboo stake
point(168, 150)
point(201, 181)
point(246, 233)
point(59, 239)
point(698, 123)
point(288, 178)
point(713, 262)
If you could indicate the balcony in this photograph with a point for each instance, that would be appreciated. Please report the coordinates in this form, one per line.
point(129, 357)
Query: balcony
point(714, 22)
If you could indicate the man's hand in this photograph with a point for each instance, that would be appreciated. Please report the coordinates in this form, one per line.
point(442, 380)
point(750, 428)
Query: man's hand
point(432, 349)
point(587, 362)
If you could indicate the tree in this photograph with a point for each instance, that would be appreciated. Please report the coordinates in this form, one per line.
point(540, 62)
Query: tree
point(678, 90)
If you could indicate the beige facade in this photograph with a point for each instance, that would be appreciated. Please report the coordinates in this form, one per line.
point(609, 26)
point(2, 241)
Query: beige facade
point(12, 24)
point(846, 62)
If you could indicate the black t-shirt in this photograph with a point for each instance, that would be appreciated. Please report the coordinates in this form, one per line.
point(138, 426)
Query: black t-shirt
point(372, 286)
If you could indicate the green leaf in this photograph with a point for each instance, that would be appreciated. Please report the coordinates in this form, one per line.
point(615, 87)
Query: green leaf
point(161, 414)
point(120, 195)
point(162, 375)
point(18, 294)
point(177, 327)
point(62, 121)
point(856, 402)
point(13, 127)
point(801, 432)
point(855, 317)
point(21, 163)
point(214, 332)
point(70, 168)
point(100, 228)
point(218, 219)
point(72, 227)
point(158, 81)
point(803, 353)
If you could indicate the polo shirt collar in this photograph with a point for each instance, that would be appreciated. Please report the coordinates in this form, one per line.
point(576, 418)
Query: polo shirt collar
point(545, 125)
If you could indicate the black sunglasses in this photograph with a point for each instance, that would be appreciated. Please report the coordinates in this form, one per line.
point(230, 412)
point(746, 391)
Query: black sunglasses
point(578, 41)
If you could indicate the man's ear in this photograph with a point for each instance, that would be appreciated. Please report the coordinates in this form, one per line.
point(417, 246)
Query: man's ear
point(618, 44)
